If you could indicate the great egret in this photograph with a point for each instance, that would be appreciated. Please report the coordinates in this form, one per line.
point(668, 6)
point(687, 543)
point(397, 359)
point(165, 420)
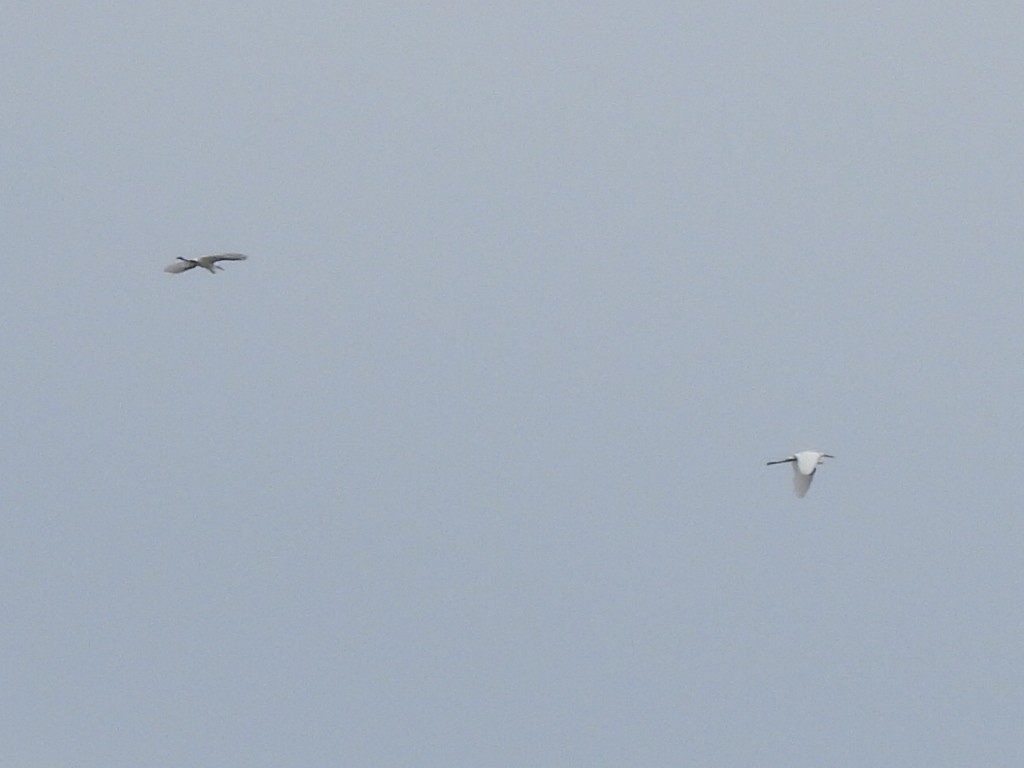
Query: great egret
point(804, 464)
point(208, 263)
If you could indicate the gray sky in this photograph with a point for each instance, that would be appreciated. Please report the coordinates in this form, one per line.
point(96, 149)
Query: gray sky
point(465, 465)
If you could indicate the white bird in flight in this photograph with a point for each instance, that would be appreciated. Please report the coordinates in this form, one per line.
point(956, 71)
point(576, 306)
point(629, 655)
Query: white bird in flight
point(208, 263)
point(804, 464)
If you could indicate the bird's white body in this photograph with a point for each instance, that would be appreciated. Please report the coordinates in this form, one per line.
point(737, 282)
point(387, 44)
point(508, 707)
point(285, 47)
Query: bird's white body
point(804, 465)
point(209, 263)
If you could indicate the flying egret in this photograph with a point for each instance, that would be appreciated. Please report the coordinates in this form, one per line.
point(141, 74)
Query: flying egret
point(804, 464)
point(208, 263)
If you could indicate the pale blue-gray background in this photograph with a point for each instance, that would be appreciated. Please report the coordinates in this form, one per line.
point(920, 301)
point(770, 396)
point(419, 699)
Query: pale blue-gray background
point(465, 465)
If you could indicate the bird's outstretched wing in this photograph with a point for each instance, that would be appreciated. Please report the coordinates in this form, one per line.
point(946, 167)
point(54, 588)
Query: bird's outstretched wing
point(224, 257)
point(180, 266)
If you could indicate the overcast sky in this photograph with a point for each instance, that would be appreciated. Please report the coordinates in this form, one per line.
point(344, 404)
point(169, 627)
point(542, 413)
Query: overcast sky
point(465, 465)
